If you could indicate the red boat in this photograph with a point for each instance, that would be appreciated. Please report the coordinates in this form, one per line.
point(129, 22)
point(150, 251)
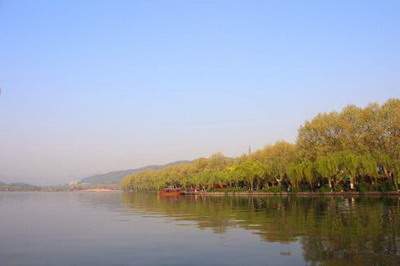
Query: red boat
point(170, 191)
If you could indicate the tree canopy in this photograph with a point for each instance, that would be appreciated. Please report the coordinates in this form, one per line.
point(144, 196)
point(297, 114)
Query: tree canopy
point(355, 149)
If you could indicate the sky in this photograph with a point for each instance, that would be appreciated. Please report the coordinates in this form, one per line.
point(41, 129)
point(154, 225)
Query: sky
point(94, 86)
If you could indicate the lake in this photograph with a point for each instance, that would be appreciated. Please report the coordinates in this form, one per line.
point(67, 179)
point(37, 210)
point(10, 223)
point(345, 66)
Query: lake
point(115, 228)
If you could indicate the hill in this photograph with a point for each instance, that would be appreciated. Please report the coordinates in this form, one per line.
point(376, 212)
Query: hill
point(115, 177)
point(18, 187)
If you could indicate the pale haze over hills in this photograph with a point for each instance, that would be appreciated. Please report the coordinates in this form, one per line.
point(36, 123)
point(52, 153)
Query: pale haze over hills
point(116, 176)
point(106, 87)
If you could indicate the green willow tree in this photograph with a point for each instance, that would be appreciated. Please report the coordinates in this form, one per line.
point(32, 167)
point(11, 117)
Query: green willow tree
point(356, 149)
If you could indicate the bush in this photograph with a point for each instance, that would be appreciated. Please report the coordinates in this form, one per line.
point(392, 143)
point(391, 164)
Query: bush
point(363, 187)
point(386, 186)
point(295, 190)
point(324, 188)
point(273, 189)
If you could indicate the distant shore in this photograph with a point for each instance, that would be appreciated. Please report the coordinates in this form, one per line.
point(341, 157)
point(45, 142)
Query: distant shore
point(98, 190)
point(67, 190)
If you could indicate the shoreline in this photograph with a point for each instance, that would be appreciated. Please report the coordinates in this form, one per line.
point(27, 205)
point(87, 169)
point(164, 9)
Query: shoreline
point(304, 194)
point(96, 190)
point(65, 191)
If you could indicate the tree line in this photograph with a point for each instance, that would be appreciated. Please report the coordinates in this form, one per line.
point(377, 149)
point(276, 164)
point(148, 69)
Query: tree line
point(356, 149)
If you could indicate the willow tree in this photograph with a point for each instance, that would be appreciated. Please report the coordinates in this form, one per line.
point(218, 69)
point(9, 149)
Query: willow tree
point(276, 159)
point(328, 167)
point(353, 146)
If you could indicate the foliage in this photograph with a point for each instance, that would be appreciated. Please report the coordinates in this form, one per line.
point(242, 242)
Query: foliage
point(355, 149)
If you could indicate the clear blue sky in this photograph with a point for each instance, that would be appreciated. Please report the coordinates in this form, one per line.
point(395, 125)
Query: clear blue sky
point(94, 86)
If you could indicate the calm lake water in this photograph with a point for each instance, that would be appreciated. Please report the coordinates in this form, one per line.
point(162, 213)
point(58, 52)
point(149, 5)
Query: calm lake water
point(83, 228)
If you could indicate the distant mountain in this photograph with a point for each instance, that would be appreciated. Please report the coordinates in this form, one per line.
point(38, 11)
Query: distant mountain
point(18, 187)
point(108, 178)
point(116, 176)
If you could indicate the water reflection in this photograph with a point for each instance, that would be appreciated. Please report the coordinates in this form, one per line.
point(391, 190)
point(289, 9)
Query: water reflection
point(331, 230)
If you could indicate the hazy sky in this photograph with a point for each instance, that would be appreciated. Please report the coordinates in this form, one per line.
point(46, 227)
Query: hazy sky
point(94, 86)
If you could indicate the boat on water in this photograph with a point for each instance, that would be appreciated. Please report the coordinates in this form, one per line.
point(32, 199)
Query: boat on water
point(170, 191)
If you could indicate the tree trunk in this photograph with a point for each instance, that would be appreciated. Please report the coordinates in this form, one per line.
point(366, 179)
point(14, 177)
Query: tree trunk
point(394, 182)
point(330, 182)
point(351, 183)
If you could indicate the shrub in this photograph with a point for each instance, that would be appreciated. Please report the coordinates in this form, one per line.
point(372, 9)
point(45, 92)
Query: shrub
point(363, 187)
point(276, 189)
point(324, 188)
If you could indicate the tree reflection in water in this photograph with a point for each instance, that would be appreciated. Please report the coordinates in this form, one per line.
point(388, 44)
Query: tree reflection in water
point(332, 230)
